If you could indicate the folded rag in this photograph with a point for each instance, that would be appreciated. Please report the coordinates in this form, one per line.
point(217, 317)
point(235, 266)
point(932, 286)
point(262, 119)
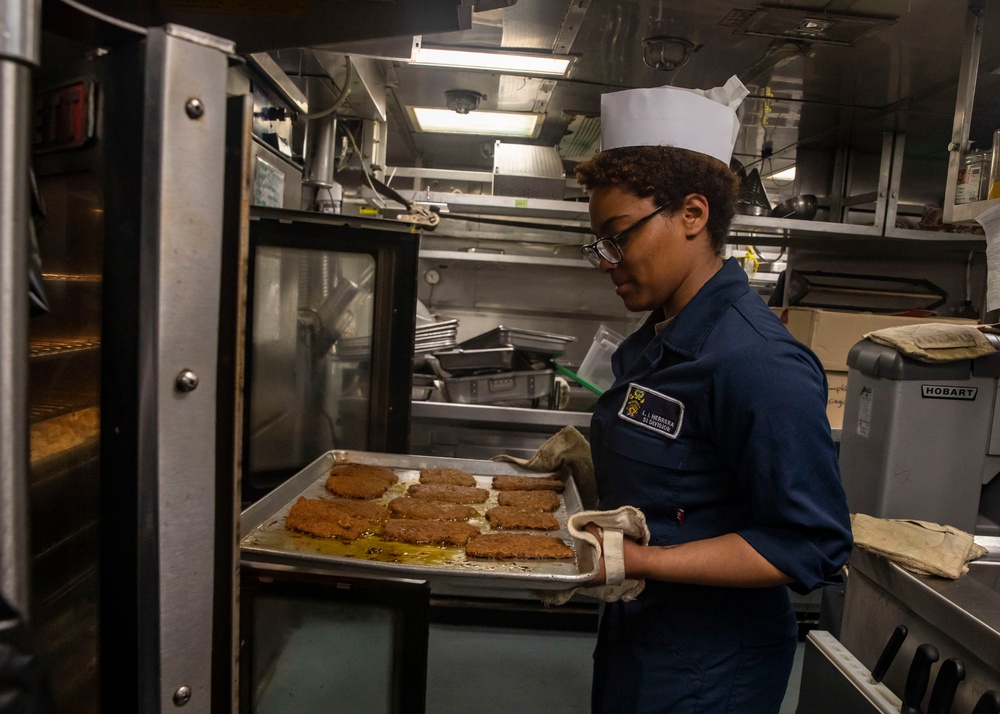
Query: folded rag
point(566, 453)
point(935, 342)
point(618, 524)
point(918, 546)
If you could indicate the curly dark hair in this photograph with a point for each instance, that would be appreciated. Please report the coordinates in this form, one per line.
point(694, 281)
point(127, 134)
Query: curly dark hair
point(668, 174)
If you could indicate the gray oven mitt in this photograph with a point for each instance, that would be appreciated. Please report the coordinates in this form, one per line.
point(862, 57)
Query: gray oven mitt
point(567, 453)
point(618, 524)
point(935, 342)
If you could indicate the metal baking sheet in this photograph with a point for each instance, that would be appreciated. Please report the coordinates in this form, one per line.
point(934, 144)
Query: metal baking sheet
point(498, 359)
point(531, 342)
point(263, 537)
point(442, 325)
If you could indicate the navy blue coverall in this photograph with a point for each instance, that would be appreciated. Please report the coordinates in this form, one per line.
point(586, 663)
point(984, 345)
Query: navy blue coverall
point(715, 425)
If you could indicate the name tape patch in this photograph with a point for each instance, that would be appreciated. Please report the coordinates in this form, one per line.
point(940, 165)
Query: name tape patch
point(652, 410)
point(943, 391)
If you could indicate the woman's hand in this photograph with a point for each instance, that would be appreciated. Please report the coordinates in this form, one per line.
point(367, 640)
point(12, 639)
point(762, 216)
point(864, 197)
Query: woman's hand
point(598, 533)
point(727, 561)
point(632, 551)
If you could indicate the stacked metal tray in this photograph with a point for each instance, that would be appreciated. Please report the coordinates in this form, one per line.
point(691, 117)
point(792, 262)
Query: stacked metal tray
point(532, 344)
point(433, 336)
point(463, 362)
point(264, 539)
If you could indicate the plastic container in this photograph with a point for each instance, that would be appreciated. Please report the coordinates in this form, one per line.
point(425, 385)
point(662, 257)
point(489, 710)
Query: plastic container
point(994, 181)
point(973, 177)
point(596, 366)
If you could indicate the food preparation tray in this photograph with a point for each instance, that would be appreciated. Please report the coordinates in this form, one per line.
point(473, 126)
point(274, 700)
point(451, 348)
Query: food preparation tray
point(532, 343)
point(463, 362)
point(502, 387)
point(263, 538)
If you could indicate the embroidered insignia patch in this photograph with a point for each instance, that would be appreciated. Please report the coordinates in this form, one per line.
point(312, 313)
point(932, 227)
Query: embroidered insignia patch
point(652, 410)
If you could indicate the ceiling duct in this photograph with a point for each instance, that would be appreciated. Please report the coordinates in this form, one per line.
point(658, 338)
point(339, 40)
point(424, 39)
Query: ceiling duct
point(811, 25)
point(582, 139)
point(528, 171)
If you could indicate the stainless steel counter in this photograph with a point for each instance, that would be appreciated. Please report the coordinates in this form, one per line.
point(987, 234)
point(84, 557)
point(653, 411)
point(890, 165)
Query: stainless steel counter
point(961, 618)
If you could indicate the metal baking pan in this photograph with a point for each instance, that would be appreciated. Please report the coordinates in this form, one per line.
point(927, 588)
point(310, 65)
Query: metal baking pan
point(263, 538)
point(459, 362)
point(502, 387)
point(441, 325)
point(531, 342)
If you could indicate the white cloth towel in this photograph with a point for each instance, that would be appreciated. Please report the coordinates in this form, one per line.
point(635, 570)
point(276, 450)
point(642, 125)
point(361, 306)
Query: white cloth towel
point(919, 546)
point(935, 342)
point(567, 453)
point(618, 524)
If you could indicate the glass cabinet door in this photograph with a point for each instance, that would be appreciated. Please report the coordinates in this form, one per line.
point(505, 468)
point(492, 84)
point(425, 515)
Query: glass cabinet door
point(330, 336)
point(312, 353)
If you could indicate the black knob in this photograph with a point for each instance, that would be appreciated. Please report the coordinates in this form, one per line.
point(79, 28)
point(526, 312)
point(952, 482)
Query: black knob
point(949, 676)
point(917, 678)
point(989, 703)
point(889, 653)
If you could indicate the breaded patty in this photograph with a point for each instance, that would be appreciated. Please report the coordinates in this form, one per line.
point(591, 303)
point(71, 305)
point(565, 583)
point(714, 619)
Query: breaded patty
point(367, 470)
point(526, 483)
point(324, 518)
point(356, 486)
point(454, 477)
point(411, 530)
point(530, 500)
point(517, 545)
point(425, 509)
point(508, 517)
point(451, 494)
point(372, 511)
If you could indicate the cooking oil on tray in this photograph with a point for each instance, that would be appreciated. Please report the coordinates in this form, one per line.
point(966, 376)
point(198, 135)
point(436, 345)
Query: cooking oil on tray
point(273, 537)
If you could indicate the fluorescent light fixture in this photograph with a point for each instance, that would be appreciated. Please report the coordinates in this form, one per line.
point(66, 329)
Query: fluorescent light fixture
point(496, 61)
point(433, 119)
point(783, 175)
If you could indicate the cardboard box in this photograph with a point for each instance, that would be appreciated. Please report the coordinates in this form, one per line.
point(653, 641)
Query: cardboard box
point(836, 397)
point(831, 334)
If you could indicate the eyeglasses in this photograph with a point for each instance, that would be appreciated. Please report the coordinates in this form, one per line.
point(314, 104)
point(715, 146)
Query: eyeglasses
point(611, 248)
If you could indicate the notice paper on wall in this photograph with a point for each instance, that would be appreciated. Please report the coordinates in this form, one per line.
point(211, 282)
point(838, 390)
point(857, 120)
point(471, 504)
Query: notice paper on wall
point(990, 221)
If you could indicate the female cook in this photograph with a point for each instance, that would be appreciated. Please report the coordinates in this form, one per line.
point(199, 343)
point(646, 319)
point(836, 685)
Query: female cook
point(715, 427)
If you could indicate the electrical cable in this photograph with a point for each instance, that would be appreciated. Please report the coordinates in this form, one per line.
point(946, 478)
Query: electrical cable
point(339, 101)
point(516, 224)
point(106, 18)
point(765, 259)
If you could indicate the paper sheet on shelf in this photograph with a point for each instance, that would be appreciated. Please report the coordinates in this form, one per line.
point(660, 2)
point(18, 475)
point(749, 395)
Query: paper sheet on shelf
point(990, 221)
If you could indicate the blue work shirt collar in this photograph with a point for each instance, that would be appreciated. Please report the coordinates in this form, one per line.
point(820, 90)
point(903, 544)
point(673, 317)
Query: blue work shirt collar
point(688, 330)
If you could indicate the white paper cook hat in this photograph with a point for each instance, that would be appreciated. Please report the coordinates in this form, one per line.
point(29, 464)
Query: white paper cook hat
point(695, 119)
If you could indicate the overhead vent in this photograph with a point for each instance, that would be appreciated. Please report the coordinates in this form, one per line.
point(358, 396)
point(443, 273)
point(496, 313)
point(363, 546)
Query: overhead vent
point(808, 25)
point(582, 139)
point(528, 171)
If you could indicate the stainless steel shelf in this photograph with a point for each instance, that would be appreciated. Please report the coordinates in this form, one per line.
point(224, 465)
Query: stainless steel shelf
point(513, 418)
point(503, 258)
